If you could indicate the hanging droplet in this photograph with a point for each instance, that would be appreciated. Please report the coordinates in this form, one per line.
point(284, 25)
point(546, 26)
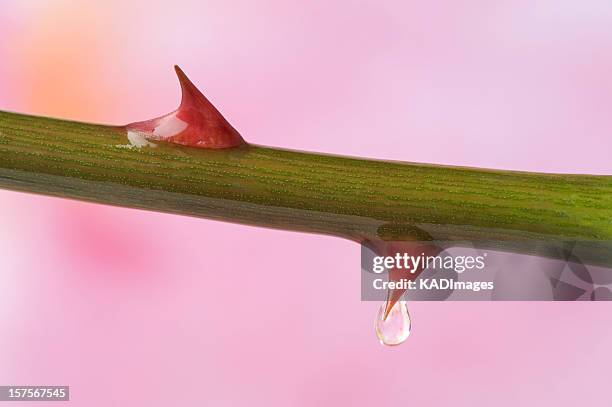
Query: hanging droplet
point(394, 329)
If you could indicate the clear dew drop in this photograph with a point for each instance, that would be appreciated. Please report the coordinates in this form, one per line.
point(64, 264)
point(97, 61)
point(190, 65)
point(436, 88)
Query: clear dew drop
point(396, 328)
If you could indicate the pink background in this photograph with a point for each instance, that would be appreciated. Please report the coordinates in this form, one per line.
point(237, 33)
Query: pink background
point(134, 308)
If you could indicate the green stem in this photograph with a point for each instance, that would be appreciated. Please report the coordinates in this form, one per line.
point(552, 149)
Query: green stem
point(358, 199)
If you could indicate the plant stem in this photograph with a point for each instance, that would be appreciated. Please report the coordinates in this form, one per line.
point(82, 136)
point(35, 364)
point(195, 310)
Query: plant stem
point(358, 199)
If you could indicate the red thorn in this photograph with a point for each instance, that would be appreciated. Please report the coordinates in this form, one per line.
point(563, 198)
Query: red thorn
point(196, 123)
point(391, 248)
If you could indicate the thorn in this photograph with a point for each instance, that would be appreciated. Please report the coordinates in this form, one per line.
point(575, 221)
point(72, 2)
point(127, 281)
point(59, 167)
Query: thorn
point(196, 123)
point(393, 296)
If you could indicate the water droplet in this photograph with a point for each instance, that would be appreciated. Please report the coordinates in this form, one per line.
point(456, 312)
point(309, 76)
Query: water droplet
point(396, 327)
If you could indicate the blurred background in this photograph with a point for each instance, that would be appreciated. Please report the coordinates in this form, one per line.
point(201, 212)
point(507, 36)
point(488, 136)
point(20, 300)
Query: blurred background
point(146, 309)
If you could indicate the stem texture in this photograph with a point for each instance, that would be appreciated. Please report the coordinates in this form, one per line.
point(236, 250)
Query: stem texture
point(358, 199)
